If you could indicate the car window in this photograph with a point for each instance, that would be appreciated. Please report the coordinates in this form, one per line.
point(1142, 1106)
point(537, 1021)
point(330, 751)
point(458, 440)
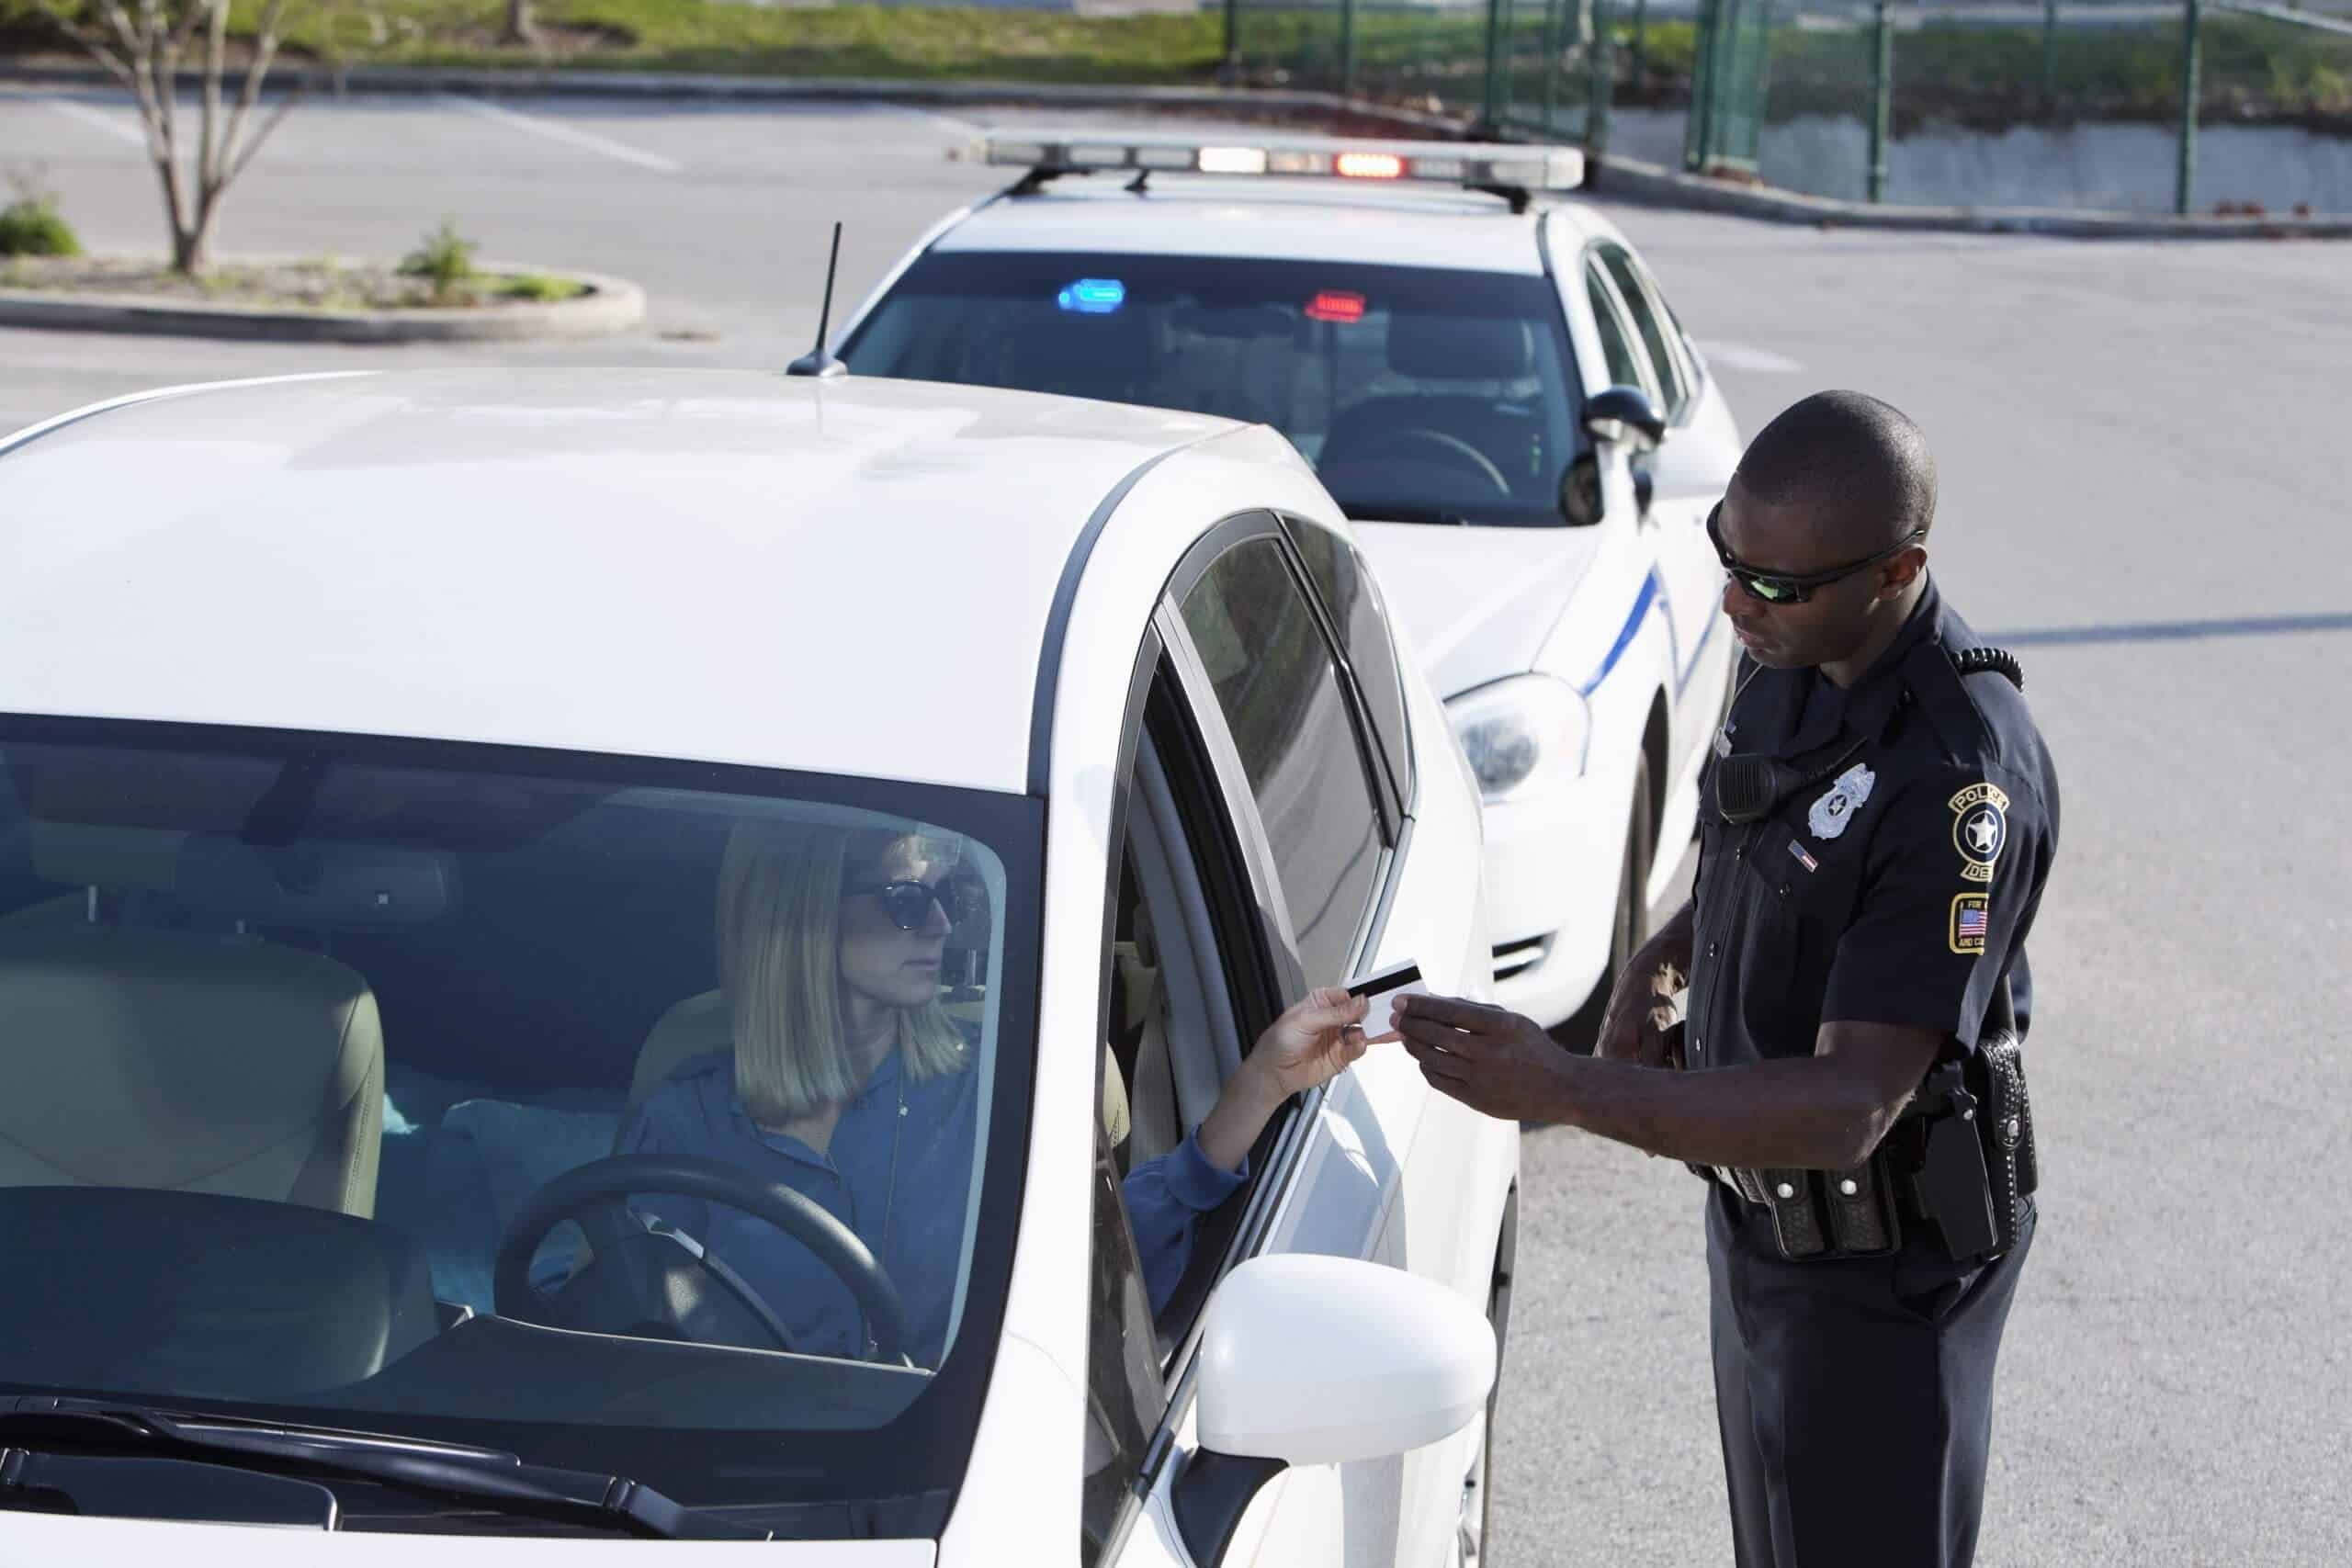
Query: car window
point(1353, 599)
point(1650, 320)
point(1616, 348)
point(1278, 687)
point(1420, 394)
point(319, 1020)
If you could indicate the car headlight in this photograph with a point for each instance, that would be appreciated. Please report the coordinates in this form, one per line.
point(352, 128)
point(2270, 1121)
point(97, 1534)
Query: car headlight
point(1521, 730)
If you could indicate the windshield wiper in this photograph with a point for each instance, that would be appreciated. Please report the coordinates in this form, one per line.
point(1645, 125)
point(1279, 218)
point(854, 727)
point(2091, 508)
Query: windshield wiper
point(1386, 512)
point(475, 1475)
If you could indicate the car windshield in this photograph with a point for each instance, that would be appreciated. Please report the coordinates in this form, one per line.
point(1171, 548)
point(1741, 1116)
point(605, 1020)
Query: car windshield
point(312, 1049)
point(1419, 394)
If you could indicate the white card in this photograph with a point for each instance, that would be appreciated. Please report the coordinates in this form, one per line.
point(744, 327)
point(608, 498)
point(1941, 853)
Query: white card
point(1380, 1011)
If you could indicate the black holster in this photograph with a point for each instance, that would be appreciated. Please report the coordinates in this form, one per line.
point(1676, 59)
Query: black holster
point(1960, 1160)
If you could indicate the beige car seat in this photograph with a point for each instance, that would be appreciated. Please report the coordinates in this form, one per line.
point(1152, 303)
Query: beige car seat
point(190, 1061)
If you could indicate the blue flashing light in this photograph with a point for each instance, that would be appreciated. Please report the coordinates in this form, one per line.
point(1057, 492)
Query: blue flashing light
point(1093, 296)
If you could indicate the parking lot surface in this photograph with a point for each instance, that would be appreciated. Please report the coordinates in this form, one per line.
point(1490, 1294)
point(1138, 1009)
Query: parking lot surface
point(2144, 474)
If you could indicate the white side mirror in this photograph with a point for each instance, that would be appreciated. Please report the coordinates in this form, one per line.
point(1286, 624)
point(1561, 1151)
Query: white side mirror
point(1322, 1361)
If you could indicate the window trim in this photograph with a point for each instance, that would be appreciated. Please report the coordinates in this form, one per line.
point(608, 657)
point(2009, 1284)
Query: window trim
point(1594, 272)
point(1398, 795)
point(1671, 332)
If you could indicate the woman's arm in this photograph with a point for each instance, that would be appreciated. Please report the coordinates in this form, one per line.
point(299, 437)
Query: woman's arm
point(1307, 1046)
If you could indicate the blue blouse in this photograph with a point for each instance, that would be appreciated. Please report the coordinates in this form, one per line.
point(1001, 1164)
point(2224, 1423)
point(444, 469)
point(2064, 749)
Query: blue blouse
point(898, 1173)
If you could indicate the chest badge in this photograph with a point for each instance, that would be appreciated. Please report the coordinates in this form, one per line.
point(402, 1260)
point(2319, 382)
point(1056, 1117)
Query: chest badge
point(1834, 810)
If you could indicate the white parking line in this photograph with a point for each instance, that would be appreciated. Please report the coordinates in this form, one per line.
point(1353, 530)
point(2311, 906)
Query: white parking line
point(100, 120)
point(1741, 357)
point(555, 130)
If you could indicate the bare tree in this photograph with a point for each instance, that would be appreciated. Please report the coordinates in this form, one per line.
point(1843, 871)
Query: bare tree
point(143, 44)
point(520, 26)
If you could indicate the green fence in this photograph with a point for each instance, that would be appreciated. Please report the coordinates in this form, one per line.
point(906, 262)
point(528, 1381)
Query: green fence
point(2085, 104)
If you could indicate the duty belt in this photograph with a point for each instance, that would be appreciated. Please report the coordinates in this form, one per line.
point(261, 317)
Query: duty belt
point(1959, 1160)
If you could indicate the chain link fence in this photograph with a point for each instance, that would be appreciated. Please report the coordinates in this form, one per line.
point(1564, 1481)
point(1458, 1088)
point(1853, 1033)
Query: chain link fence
point(2083, 105)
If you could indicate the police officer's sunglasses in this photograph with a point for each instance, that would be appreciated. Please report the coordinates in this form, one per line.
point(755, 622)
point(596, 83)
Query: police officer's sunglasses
point(1792, 587)
point(908, 904)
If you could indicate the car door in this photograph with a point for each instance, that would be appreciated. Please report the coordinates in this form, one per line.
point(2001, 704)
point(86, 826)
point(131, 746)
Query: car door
point(1293, 773)
point(1687, 475)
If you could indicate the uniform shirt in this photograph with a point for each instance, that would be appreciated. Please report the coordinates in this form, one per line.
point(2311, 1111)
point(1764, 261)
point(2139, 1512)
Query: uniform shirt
point(1897, 889)
point(898, 1172)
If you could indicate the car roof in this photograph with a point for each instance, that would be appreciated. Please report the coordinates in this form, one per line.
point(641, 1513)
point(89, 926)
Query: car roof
point(853, 576)
point(1192, 215)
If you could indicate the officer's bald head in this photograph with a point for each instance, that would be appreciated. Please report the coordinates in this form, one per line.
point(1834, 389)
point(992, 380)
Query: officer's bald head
point(1858, 467)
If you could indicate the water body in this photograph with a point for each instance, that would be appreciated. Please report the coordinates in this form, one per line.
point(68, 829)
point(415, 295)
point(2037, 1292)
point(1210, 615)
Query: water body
point(2110, 168)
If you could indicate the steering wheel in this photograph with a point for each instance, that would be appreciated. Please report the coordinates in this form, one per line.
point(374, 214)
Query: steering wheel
point(1453, 449)
point(597, 1196)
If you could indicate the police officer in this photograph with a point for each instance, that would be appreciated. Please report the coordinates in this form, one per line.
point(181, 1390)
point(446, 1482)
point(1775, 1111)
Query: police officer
point(1877, 822)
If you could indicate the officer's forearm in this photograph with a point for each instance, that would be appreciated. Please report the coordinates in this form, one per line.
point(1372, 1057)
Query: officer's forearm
point(1807, 1113)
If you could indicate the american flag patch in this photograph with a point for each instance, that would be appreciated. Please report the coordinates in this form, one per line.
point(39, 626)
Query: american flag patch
point(1969, 917)
point(1803, 858)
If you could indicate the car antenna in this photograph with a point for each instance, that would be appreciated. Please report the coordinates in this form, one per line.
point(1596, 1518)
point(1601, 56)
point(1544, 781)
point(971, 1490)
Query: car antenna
point(817, 362)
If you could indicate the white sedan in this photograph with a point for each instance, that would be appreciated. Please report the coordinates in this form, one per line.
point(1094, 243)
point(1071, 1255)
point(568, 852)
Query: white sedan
point(1490, 381)
point(424, 796)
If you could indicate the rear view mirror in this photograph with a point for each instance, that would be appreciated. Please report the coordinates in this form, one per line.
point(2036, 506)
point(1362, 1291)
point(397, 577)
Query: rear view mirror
point(1624, 413)
point(1309, 1360)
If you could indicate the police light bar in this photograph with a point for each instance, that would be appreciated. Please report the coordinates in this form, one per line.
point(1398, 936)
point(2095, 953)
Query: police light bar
point(1506, 169)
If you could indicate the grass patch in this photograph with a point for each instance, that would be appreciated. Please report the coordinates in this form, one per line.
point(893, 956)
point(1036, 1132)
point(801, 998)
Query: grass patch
point(540, 289)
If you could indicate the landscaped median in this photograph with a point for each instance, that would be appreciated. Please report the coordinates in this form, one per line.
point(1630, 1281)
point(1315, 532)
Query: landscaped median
point(438, 293)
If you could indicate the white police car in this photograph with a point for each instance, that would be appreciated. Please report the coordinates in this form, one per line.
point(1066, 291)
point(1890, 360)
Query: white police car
point(405, 779)
point(1478, 376)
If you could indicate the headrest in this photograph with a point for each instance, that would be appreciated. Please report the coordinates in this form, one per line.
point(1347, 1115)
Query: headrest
point(1460, 348)
point(344, 886)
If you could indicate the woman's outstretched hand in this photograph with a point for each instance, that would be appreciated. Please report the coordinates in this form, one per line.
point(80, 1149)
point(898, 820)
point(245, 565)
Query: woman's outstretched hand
point(1307, 1046)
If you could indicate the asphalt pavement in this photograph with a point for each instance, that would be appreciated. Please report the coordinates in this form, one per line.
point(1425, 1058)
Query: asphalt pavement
point(2144, 478)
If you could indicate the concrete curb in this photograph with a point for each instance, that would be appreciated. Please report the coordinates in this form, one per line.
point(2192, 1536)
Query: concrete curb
point(612, 305)
point(1630, 180)
point(658, 85)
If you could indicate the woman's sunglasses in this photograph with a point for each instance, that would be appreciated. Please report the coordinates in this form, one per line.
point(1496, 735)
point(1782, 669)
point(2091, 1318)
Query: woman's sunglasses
point(1792, 587)
point(908, 904)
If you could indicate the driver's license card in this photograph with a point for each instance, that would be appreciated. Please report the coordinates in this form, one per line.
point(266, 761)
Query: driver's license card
point(1381, 990)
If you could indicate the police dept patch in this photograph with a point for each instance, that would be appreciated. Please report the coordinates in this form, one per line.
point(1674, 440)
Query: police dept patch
point(1833, 811)
point(1968, 918)
point(1980, 830)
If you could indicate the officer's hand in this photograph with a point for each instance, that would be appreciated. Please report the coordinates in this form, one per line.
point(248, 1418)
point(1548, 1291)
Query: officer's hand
point(1498, 1062)
point(1641, 1008)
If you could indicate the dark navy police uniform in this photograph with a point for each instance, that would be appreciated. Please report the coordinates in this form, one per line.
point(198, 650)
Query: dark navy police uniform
point(1855, 1392)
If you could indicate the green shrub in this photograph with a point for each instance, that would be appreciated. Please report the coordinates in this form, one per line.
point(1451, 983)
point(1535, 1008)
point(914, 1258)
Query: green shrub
point(540, 289)
point(31, 226)
point(444, 259)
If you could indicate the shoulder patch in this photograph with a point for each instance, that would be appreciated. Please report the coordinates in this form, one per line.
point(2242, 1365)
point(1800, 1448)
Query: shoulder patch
point(1968, 918)
point(1980, 830)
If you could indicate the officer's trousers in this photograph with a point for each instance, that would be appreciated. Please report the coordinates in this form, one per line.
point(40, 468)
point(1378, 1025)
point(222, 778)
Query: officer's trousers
point(1855, 1398)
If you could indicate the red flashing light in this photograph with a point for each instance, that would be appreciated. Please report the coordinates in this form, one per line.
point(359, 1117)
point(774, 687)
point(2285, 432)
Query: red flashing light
point(1332, 305)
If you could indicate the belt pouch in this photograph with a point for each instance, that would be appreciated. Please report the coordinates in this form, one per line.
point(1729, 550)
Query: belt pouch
point(1861, 1208)
point(1796, 1216)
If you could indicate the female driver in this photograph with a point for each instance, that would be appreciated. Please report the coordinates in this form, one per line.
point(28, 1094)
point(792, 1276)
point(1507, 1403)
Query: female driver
point(850, 1083)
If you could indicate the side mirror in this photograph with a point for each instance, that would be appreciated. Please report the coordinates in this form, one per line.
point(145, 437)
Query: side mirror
point(1309, 1360)
point(1623, 414)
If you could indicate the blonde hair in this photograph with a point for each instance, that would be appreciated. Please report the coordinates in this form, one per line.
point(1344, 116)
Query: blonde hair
point(779, 938)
